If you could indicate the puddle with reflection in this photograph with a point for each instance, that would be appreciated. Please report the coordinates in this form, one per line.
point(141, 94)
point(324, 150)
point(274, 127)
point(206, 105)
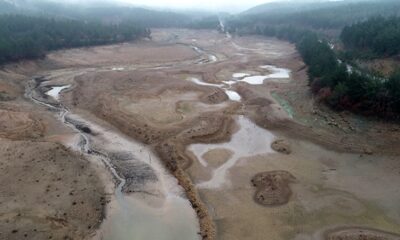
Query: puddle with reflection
point(250, 140)
point(56, 90)
point(276, 73)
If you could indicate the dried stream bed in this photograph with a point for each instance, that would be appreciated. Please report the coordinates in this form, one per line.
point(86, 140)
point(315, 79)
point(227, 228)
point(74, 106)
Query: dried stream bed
point(202, 107)
point(148, 202)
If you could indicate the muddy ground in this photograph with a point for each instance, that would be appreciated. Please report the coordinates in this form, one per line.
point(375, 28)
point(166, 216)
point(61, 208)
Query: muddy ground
point(337, 162)
point(47, 190)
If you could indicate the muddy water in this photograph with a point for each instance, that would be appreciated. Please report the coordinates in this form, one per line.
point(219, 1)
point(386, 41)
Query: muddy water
point(232, 95)
point(240, 75)
point(136, 220)
point(276, 73)
point(117, 68)
point(157, 208)
point(199, 82)
point(250, 140)
point(55, 91)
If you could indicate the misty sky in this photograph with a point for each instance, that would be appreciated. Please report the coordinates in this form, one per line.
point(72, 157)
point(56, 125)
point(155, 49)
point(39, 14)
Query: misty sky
point(215, 5)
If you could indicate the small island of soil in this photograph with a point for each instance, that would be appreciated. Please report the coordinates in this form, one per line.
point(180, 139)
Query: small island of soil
point(273, 187)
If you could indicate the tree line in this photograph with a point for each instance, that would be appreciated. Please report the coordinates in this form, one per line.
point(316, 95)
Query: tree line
point(323, 16)
point(338, 84)
point(333, 81)
point(209, 22)
point(378, 36)
point(107, 12)
point(23, 37)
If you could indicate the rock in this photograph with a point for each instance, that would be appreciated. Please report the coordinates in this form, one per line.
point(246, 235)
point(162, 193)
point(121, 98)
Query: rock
point(368, 151)
point(281, 146)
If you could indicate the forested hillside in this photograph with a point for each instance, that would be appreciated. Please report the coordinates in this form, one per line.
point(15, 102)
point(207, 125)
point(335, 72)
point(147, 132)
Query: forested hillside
point(333, 80)
point(325, 16)
point(209, 22)
point(375, 37)
point(285, 7)
point(30, 28)
point(108, 13)
point(30, 37)
point(338, 84)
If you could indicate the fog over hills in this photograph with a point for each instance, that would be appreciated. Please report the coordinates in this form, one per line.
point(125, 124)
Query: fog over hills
point(175, 5)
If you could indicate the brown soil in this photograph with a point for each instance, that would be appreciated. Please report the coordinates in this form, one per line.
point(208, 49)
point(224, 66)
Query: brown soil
point(19, 125)
point(273, 187)
point(359, 234)
point(282, 146)
point(217, 157)
point(127, 53)
point(47, 192)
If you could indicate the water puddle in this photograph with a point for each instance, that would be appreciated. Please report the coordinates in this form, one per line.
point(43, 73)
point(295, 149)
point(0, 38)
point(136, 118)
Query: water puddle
point(254, 80)
point(276, 73)
point(250, 140)
point(137, 221)
point(232, 95)
point(199, 82)
point(211, 57)
point(55, 91)
point(240, 75)
point(117, 68)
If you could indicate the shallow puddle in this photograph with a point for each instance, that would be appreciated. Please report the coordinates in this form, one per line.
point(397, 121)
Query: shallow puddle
point(135, 220)
point(199, 82)
point(212, 58)
point(250, 140)
point(240, 75)
point(232, 95)
point(117, 68)
point(276, 73)
point(254, 80)
point(55, 91)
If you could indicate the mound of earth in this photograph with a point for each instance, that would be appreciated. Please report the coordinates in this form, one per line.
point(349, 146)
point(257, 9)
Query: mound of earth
point(360, 234)
point(281, 146)
point(273, 187)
